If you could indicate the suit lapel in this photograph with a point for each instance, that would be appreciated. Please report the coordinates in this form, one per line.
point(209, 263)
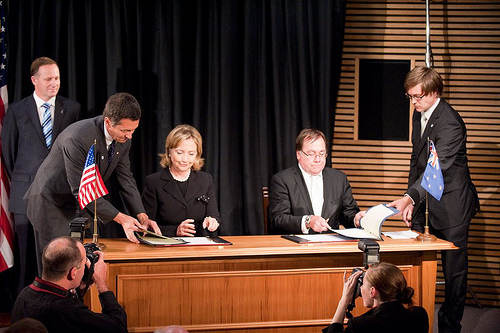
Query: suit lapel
point(35, 118)
point(429, 129)
point(302, 188)
point(327, 193)
point(59, 113)
point(193, 186)
point(101, 153)
point(170, 187)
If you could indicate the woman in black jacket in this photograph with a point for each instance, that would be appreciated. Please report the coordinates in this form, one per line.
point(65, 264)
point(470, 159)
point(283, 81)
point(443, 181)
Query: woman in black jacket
point(384, 292)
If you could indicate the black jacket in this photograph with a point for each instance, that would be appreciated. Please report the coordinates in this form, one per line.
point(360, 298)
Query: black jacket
point(47, 303)
point(388, 317)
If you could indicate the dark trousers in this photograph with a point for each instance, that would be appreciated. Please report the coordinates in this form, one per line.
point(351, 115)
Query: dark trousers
point(455, 265)
point(25, 266)
point(40, 244)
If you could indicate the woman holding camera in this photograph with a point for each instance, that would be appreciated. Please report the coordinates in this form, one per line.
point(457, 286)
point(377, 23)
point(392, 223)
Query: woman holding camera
point(384, 292)
point(180, 197)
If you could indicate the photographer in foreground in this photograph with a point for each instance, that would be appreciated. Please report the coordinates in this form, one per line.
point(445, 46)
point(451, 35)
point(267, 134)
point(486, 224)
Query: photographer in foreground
point(54, 299)
point(384, 291)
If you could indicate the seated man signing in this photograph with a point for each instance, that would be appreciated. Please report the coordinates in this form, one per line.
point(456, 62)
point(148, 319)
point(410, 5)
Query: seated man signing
point(53, 299)
point(309, 198)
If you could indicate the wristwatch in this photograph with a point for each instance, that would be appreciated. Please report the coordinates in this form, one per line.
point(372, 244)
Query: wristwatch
point(307, 220)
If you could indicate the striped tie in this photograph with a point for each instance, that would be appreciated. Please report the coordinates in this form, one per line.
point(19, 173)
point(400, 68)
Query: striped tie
point(47, 125)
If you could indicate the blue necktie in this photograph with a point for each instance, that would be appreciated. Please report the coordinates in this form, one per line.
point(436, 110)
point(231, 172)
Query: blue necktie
point(47, 125)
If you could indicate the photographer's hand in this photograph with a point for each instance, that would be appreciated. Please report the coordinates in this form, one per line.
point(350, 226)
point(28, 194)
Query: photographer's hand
point(100, 277)
point(347, 293)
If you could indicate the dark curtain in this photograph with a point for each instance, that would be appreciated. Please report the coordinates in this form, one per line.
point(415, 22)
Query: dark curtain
point(248, 74)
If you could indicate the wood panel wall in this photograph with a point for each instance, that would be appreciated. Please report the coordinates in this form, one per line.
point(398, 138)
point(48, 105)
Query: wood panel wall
point(465, 40)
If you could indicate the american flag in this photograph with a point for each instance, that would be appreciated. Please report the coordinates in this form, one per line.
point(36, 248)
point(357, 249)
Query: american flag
point(6, 220)
point(88, 184)
point(432, 181)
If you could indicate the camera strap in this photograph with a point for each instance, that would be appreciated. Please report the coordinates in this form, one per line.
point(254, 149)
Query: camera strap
point(40, 285)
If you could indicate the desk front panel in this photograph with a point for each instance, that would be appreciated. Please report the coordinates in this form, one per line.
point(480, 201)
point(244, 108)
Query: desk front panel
point(295, 290)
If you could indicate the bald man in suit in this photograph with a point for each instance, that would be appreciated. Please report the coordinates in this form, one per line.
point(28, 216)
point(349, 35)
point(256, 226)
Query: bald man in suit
point(52, 198)
point(24, 148)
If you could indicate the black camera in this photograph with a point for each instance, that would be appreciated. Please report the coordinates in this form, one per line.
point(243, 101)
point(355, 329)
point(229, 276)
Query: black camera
point(359, 283)
point(371, 251)
point(90, 248)
point(357, 291)
point(77, 228)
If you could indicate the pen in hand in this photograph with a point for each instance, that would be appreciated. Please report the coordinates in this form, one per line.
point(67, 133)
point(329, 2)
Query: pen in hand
point(328, 226)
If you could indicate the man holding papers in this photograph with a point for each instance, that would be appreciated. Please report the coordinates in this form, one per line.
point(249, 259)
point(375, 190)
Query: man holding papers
point(52, 198)
point(309, 198)
point(451, 211)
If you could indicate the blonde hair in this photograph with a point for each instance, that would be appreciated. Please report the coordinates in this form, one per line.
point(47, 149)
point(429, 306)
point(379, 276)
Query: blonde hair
point(173, 140)
point(430, 79)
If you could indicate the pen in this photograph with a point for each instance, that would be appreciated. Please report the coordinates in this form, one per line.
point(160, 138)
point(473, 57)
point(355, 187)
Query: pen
point(328, 226)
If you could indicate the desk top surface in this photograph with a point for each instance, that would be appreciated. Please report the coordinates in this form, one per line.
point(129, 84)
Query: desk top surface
point(259, 245)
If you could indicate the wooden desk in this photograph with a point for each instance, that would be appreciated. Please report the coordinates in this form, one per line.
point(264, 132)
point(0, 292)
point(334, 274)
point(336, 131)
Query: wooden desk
point(262, 283)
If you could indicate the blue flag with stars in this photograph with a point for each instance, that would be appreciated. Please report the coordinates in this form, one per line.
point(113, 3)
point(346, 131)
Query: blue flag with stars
point(433, 181)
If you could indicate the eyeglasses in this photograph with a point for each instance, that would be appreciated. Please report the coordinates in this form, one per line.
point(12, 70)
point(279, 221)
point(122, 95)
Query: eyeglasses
point(417, 98)
point(312, 154)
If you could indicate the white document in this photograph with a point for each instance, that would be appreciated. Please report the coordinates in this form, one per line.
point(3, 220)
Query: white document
point(198, 240)
point(371, 223)
point(407, 234)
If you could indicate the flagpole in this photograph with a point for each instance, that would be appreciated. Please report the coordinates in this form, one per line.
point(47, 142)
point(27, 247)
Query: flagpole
point(95, 238)
point(427, 237)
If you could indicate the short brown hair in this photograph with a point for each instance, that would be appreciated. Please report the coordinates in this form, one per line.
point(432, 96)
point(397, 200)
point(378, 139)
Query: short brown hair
point(309, 134)
point(122, 106)
point(173, 140)
point(430, 79)
point(39, 62)
point(59, 256)
point(389, 282)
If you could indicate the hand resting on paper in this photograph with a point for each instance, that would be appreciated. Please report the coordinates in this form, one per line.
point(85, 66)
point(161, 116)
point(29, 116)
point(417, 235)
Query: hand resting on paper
point(358, 217)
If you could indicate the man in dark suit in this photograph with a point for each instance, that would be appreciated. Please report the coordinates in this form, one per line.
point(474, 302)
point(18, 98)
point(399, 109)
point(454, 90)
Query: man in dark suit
point(307, 198)
point(52, 198)
point(24, 147)
point(449, 218)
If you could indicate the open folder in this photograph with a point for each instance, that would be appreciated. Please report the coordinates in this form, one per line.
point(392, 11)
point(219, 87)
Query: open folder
point(153, 239)
point(371, 223)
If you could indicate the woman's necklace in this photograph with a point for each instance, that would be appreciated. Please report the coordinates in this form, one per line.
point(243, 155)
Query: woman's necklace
point(179, 179)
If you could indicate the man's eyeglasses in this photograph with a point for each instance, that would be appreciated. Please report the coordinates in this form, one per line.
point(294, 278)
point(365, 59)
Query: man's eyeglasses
point(417, 98)
point(312, 154)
